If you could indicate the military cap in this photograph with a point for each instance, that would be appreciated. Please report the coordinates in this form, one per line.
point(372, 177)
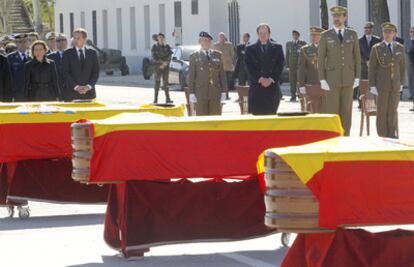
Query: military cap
point(20, 36)
point(388, 26)
point(316, 30)
point(51, 36)
point(339, 10)
point(6, 39)
point(369, 24)
point(205, 35)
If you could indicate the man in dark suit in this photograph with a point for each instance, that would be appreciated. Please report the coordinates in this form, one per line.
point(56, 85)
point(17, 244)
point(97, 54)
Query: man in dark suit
point(264, 61)
point(240, 71)
point(80, 69)
point(62, 45)
point(5, 80)
point(366, 42)
point(17, 60)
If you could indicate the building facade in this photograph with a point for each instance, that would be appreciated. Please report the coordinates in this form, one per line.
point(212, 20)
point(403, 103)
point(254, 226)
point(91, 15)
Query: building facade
point(128, 25)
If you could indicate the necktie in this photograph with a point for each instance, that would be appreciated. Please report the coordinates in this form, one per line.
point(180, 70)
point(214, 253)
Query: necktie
point(264, 49)
point(82, 57)
point(390, 48)
point(369, 40)
point(341, 38)
point(208, 55)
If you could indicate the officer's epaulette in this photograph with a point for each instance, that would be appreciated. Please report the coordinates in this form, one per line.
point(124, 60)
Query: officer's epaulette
point(377, 45)
point(306, 46)
point(398, 44)
point(216, 51)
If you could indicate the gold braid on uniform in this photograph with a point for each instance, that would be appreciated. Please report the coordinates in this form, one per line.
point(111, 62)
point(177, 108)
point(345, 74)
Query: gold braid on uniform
point(382, 65)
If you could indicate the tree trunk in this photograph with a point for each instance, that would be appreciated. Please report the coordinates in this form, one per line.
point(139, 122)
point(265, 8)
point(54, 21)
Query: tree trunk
point(324, 15)
point(380, 14)
point(37, 12)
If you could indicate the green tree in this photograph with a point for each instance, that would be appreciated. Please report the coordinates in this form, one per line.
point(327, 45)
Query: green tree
point(47, 12)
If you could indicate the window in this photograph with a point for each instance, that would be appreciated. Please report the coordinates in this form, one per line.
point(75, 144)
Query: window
point(82, 18)
point(72, 22)
point(133, 23)
point(177, 14)
point(119, 27)
point(94, 28)
point(61, 22)
point(105, 27)
point(161, 16)
point(194, 7)
point(147, 29)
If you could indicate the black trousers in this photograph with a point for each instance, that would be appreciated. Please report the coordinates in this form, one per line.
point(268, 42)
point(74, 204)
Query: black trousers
point(264, 101)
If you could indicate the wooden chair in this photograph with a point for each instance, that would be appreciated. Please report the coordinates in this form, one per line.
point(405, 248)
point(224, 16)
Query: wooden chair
point(190, 106)
point(368, 105)
point(243, 99)
point(314, 94)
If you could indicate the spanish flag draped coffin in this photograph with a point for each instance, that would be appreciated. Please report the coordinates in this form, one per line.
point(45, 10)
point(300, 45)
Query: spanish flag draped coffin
point(130, 147)
point(35, 149)
point(146, 208)
point(354, 181)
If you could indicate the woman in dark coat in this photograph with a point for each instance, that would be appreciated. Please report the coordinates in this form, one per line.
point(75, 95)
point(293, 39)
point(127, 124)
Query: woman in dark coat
point(41, 82)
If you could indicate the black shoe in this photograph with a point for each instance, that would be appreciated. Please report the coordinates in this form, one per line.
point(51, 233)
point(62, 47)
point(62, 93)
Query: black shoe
point(293, 99)
point(169, 101)
point(412, 109)
point(155, 102)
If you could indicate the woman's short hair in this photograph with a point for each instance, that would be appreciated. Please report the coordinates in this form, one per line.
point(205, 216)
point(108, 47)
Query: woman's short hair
point(263, 25)
point(38, 42)
point(82, 31)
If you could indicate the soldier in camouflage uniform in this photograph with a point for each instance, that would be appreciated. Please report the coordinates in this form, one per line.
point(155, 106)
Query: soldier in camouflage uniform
point(161, 56)
point(292, 54)
point(386, 79)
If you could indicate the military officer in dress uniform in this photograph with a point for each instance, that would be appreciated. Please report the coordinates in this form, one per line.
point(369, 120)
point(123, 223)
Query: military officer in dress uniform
point(339, 67)
point(17, 60)
point(308, 72)
point(386, 79)
point(292, 54)
point(207, 78)
point(161, 57)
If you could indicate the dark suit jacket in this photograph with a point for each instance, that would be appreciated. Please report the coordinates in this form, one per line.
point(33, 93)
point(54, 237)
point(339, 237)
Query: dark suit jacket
point(399, 40)
point(17, 71)
point(268, 64)
point(365, 48)
point(240, 59)
point(57, 58)
point(75, 75)
point(365, 51)
point(5, 80)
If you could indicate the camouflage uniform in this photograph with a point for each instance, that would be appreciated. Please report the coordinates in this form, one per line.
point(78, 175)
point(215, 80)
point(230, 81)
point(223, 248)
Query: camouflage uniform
point(161, 54)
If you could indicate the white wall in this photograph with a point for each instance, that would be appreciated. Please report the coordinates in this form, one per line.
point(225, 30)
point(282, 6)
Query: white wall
point(283, 17)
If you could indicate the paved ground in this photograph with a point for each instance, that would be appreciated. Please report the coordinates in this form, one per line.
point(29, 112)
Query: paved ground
point(71, 235)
